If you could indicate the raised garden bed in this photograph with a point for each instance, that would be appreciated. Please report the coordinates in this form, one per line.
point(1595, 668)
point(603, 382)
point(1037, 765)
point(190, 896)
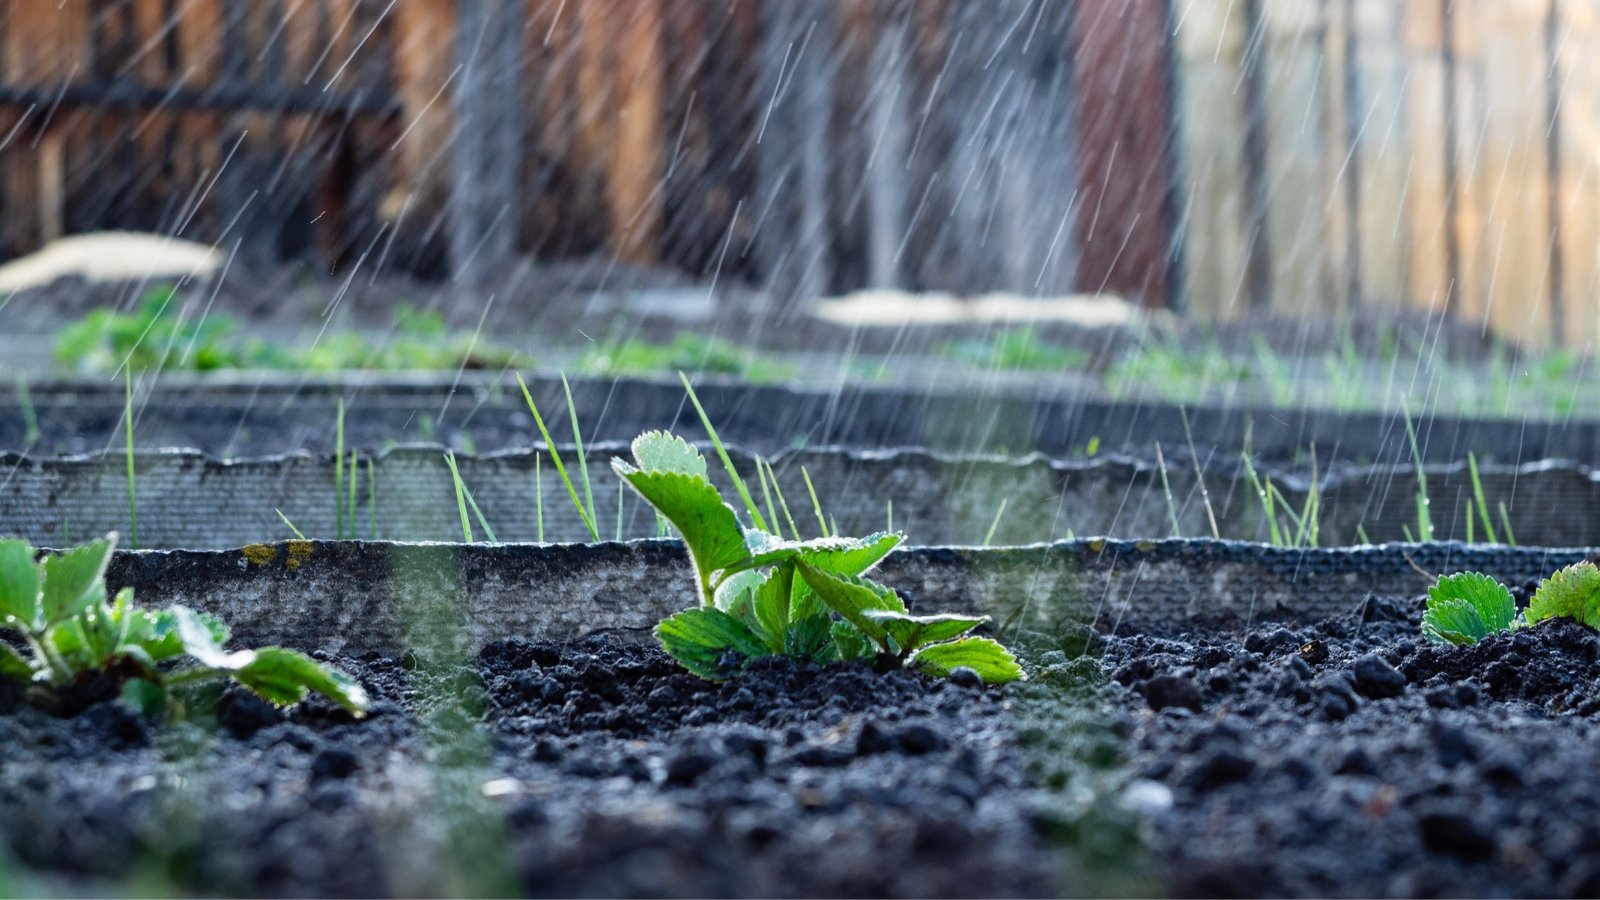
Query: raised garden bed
point(258, 415)
point(188, 500)
point(1239, 719)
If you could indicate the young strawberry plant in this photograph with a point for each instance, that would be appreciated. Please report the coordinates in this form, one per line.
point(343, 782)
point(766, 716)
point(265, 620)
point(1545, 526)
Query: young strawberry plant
point(762, 595)
point(1466, 607)
point(72, 634)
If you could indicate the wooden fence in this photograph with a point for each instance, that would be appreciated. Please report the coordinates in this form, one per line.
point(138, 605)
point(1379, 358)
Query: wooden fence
point(1219, 156)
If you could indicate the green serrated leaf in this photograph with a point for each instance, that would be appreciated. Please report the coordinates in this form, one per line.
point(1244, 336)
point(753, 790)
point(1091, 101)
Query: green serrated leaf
point(736, 593)
point(1491, 599)
point(771, 610)
point(708, 525)
point(839, 555)
point(74, 580)
point(910, 632)
point(14, 664)
point(709, 642)
point(1573, 592)
point(285, 677)
point(19, 586)
point(851, 597)
point(993, 662)
point(1453, 621)
point(659, 451)
point(200, 642)
point(811, 639)
point(849, 642)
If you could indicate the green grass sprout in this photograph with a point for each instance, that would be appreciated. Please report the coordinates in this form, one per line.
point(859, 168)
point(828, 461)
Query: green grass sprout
point(127, 429)
point(561, 469)
point(299, 535)
point(464, 500)
point(994, 524)
point(1477, 493)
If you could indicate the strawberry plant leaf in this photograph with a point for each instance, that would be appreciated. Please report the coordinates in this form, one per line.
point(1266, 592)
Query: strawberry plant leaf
point(992, 662)
point(13, 665)
point(737, 592)
point(658, 451)
point(74, 580)
point(709, 642)
point(811, 639)
point(1490, 600)
point(910, 632)
point(849, 642)
point(851, 597)
point(1453, 621)
point(772, 606)
point(839, 555)
point(284, 677)
point(200, 642)
point(1573, 592)
point(692, 504)
point(19, 586)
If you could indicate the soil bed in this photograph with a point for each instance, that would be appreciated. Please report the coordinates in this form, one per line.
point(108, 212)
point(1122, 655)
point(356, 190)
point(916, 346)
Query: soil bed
point(1349, 757)
point(596, 768)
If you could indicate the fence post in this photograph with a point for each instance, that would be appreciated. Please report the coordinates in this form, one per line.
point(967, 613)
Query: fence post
point(485, 203)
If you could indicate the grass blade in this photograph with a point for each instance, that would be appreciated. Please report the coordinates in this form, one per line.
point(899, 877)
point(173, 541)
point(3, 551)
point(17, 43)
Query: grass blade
point(1424, 518)
point(722, 453)
point(816, 506)
point(372, 500)
point(782, 503)
point(1477, 493)
point(1205, 495)
point(561, 469)
point(766, 492)
point(298, 535)
point(127, 421)
point(1265, 496)
point(577, 441)
point(461, 495)
point(338, 474)
point(1505, 525)
point(350, 512)
point(1166, 490)
point(538, 494)
point(988, 537)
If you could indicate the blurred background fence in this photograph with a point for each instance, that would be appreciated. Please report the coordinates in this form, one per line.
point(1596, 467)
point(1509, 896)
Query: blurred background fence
point(1215, 156)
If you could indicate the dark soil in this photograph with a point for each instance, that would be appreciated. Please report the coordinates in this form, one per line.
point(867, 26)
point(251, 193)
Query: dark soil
point(1349, 757)
point(594, 768)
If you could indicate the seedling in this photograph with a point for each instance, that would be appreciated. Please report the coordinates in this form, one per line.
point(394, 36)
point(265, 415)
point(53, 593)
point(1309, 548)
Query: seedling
point(73, 635)
point(1466, 607)
point(761, 595)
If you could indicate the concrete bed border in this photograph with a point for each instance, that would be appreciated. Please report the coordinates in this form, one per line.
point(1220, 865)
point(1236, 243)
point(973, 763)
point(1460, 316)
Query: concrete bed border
point(189, 500)
point(357, 597)
point(258, 413)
